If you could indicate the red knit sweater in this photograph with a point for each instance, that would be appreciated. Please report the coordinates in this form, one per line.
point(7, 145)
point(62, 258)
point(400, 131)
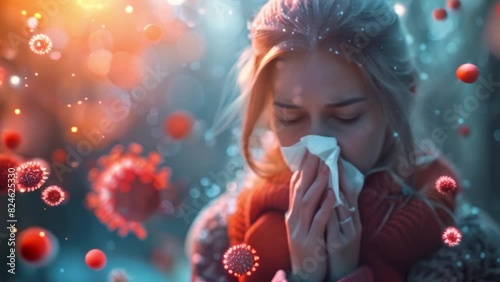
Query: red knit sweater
point(410, 233)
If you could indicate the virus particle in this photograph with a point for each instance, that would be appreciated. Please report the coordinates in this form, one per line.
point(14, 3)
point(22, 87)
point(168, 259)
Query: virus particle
point(445, 184)
point(453, 4)
point(40, 44)
point(95, 259)
point(240, 260)
point(53, 195)
point(11, 139)
point(126, 189)
point(35, 245)
point(118, 275)
point(7, 162)
point(467, 73)
point(463, 130)
point(178, 124)
point(153, 32)
point(452, 236)
point(30, 176)
point(440, 14)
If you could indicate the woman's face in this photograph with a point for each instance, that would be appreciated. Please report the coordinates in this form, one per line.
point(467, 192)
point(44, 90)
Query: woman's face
point(317, 93)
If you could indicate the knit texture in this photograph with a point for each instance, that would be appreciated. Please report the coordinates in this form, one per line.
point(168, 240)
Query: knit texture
point(411, 232)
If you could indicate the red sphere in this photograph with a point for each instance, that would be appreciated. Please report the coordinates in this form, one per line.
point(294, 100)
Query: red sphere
point(30, 176)
point(445, 184)
point(240, 260)
point(153, 32)
point(453, 4)
point(440, 14)
point(95, 259)
point(53, 195)
point(179, 124)
point(467, 73)
point(463, 130)
point(11, 139)
point(34, 245)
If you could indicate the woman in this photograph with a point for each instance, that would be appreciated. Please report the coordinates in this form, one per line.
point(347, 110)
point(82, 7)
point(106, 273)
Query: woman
point(339, 69)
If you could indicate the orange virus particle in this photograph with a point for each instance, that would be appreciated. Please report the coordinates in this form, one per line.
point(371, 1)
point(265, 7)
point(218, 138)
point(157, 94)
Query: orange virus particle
point(8, 165)
point(178, 124)
point(53, 195)
point(126, 189)
point(153, 32)
point(31, 176)
point(40, 44)
point(452, 236)
point(467, 73)
point(445, 184)
point(240, 260)
point(11, 139)
point(95, 259)
point(440, 14)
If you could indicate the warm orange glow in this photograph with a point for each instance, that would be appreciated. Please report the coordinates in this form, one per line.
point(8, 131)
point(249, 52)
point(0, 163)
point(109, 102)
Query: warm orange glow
point(74, 129)
point(17, 111)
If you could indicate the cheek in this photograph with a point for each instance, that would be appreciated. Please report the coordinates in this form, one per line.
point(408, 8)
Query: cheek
point(363, 146)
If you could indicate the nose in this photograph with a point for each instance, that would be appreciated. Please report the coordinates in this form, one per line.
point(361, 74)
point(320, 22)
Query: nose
point(321, 128)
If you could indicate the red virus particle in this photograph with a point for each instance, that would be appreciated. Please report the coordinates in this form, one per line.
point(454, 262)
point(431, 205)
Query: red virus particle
point(30, 176)
point(11, 139)
point(440, 14)
point(8, 165)
point(53, 195)
point(178, 124)
point(153, 32)
point(453, 4)
point(452, 236)
point(35, 245)
point(497, 9)
point(240, 260)
point(445, 184)
point(463, 130)
point(467, 73)
point(40, 44)
point(118, 275)
point(126, 189)
point(95, 259)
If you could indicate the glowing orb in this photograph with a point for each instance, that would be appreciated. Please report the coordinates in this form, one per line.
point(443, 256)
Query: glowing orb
point(463, 130)
point(453, 4)
point(179, 124)
point(153, 32)
point(467, 73)
point(452, 236)
point(40, 44)
point(35, 245)
point(30, 176)
point(440, 14)
point(11, 139)
point(445, 184)
point(240, 260)
point(53, 195)
point(95, 259)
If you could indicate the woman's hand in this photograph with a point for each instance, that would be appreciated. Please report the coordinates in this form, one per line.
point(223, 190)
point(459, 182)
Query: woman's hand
point(305, 223)
point(344, 234)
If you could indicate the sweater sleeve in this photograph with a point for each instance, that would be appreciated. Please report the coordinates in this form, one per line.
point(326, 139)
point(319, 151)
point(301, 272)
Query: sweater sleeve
point(414, 229)
point(207, 241)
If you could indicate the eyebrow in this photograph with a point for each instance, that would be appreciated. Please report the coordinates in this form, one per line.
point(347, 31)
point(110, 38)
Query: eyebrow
point(340, 104)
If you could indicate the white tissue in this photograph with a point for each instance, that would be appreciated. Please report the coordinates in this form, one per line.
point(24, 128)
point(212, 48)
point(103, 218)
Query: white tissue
point(326, 149)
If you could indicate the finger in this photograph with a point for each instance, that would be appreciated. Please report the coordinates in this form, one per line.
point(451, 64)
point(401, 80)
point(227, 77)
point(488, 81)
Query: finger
point(333, 234)
point(311, 200)
point(293, 184)
point(346, 223)
point(306, 178)
point(280, 276)
point(321, 218)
